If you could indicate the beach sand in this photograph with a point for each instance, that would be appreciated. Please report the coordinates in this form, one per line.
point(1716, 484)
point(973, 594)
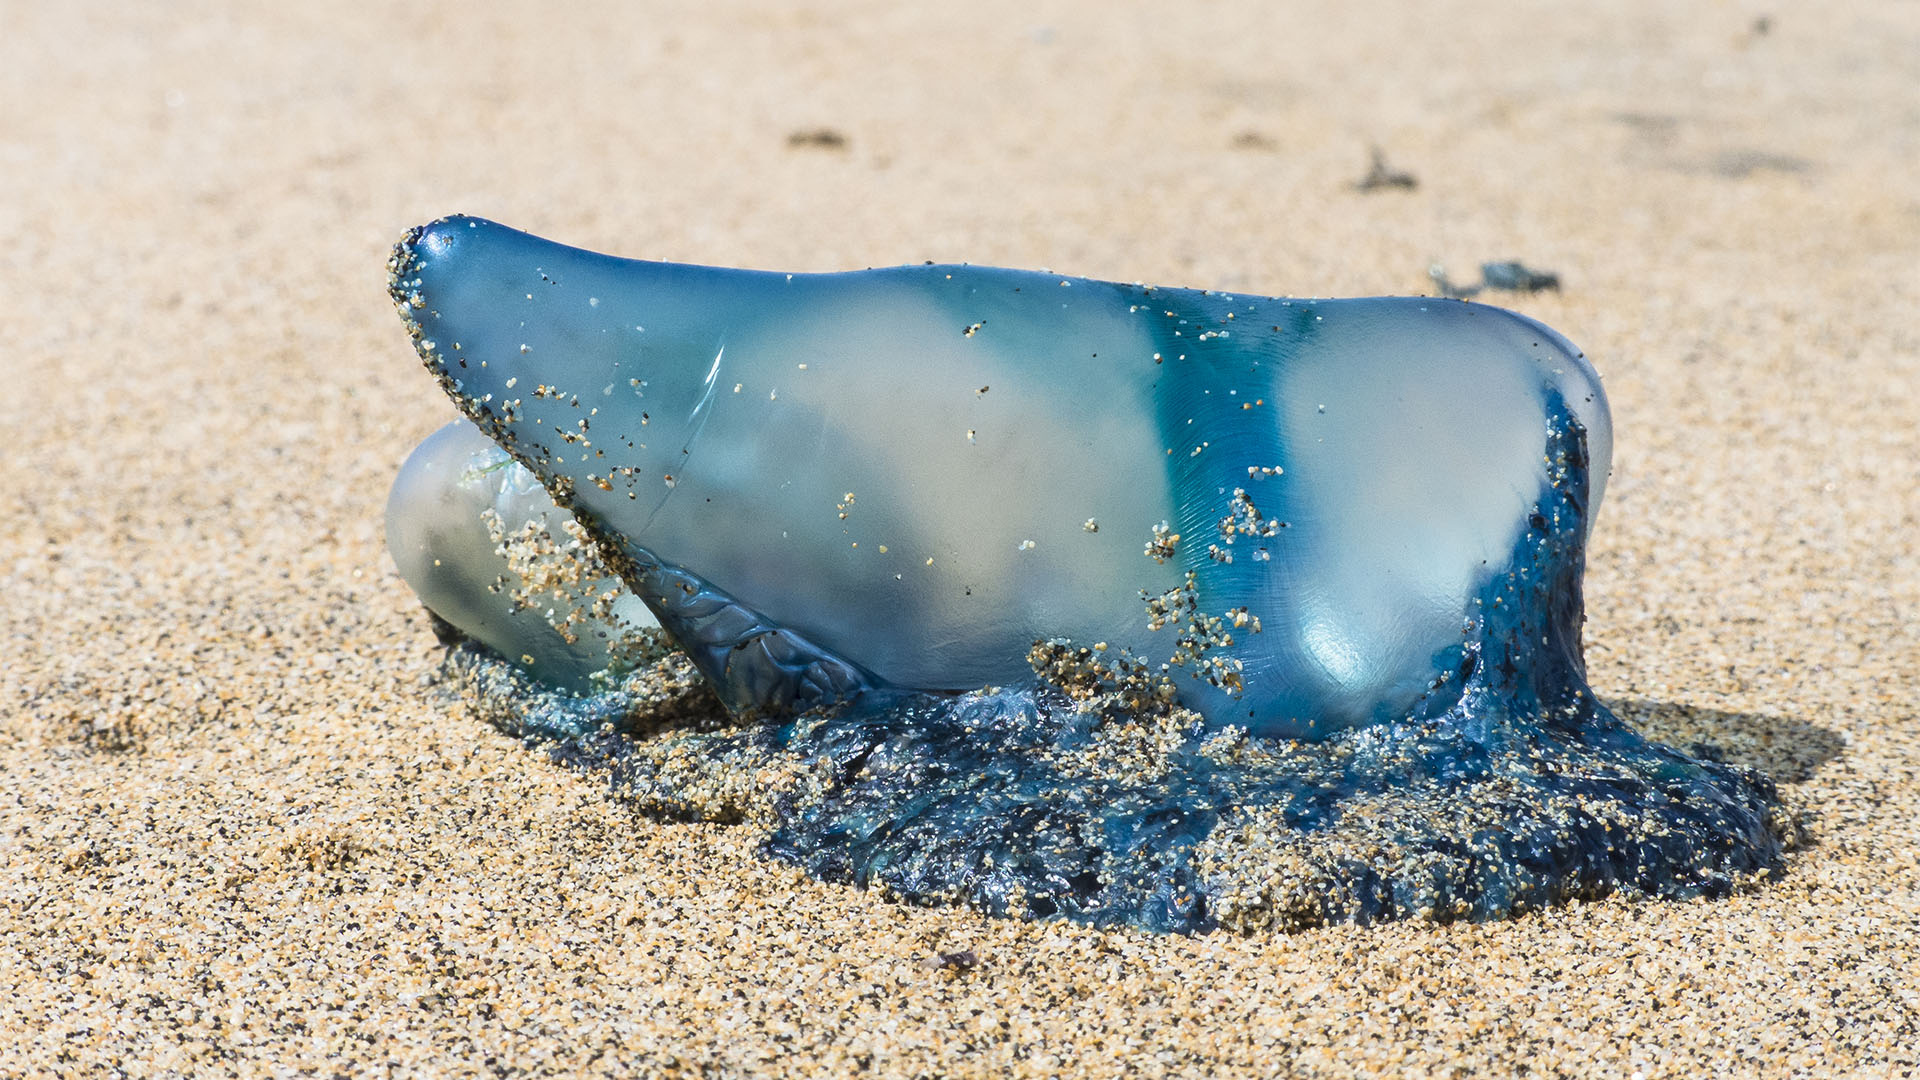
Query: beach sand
point(239, 837)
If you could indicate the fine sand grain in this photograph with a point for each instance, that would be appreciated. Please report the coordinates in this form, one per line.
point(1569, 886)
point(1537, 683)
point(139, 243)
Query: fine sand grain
point(236, 836)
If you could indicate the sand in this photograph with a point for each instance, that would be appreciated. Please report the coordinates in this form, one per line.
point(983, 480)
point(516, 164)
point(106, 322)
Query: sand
point(238, 838)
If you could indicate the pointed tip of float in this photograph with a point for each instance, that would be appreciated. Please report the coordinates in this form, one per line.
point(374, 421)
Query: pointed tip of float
point(420, 243)
point(422, 247)
point(441, 235)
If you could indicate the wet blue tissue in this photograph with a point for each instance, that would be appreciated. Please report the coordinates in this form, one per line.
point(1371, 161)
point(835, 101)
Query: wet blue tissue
point(1352, 531)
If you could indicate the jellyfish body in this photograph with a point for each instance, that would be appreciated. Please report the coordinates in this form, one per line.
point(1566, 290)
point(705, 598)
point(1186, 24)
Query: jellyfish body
point(907, 477)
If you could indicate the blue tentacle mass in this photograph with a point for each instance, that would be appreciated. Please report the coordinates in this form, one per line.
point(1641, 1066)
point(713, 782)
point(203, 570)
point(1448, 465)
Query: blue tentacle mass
point(961, 536)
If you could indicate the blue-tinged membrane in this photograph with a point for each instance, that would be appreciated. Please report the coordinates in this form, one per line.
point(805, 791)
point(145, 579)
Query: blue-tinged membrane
point(921, 471)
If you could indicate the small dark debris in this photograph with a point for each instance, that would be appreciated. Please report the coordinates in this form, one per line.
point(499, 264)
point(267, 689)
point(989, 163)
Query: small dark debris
point(447, 634)
point(1741, 164)
point(1648, 123)
point(1654, 131)
point(817, 139)
point(1253, 140)
point(1380, 175)
point(1517, 277)
point(964, 960)
point(1763, 26)
point(1707, 751)
point(1506, 276)
point(1445, 285)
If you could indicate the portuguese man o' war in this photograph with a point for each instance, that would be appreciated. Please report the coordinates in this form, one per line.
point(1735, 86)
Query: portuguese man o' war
point(957, 530)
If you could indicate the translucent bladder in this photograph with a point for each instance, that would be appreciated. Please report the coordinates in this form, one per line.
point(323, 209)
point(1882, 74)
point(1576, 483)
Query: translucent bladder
point(485, 548)
point(1293, 509)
